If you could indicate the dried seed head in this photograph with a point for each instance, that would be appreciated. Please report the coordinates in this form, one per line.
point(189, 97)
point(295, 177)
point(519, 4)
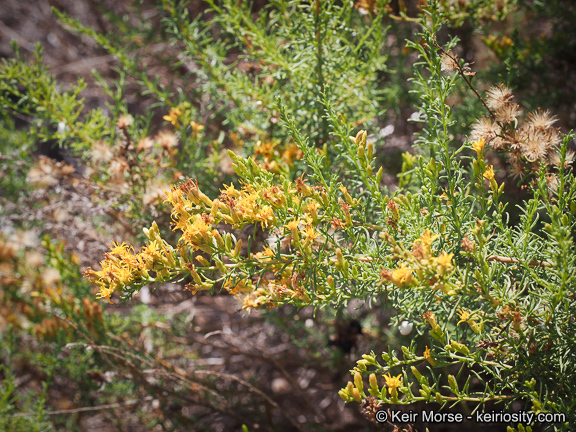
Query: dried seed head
point(370, 407)
point(514, 139)
point(499, 143)
point(552, 182)
point(145, 144)
point(467, 244)
point(449, 62)
point(124, 121)
point(48, 172)
point(555, 158)
point(118, 167)
point(498, 97)
point(516, 166)
point(542, 120)
point(534, 148)
point(508, 113)
point(167, 139)
point(101, 152)
point(484, 129)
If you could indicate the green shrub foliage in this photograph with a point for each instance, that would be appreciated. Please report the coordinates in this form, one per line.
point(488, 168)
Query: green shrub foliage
point(266, 179)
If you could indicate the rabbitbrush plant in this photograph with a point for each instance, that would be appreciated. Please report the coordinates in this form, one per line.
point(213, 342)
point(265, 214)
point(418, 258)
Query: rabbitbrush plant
point(492, 301)
point(487, 287)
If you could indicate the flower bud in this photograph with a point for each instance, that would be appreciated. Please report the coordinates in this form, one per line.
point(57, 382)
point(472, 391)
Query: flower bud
point(453, 384)
point(358, 382)
point(373, 382)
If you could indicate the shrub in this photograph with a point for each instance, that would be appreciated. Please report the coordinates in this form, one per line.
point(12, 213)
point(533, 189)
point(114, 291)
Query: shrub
point(486, 287)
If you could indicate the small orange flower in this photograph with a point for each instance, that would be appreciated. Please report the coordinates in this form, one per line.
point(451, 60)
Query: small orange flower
point(431, 318)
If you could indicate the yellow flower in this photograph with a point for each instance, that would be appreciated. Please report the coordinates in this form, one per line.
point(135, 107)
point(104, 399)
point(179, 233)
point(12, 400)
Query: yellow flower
point(275, 196)
point(173, 117)
point(267, 149)
point(422, 247)
point(291, 153)
point(266, 254)
point(428, 357)
point(478, 146)
point(198, 233)
point(393, 383)
point(105, 292)
point(444, 262)
point(123, 274)
point(120, 249)
point(265, 216)
point(174, 195)
point(293, 227)
point(244, 285)
point(196, 127)
point(302, 187)
point(309, 234)
point(402, 276)
point(311, 208)
point(506, 42)
point(426, 238)
point(230, 191)
point(463, 315)
point(489, 174)
point(150, 253)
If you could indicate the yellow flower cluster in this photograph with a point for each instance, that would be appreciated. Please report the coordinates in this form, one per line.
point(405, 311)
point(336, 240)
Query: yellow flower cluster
point(420, 267)
point(197, 216)
point(355, 391)
point(277, 157)
point(123, 267)
point(248, 205)
point(281, 283)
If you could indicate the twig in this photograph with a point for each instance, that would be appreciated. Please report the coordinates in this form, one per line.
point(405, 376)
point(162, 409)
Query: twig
point(84, 409)
point(15, 36)
point(465, 76)
point(508, 260)
point(275, 363)
point(75, 66)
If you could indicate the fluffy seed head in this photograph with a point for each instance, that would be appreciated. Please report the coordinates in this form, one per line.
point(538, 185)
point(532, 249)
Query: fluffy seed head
point(498, 97)
point(508, 113)
point(542, 120)
point(484, 129)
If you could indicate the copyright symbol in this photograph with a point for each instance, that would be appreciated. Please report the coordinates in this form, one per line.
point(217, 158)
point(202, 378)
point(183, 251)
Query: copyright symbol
point(381, 416)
